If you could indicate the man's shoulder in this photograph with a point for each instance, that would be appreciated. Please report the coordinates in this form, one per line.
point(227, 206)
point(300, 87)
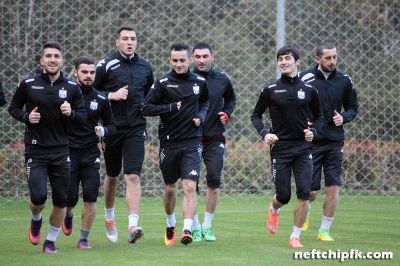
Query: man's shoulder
point(196, 77)
point(143, 61)
point(218, 74)
point(109, 60)
point(308, 74)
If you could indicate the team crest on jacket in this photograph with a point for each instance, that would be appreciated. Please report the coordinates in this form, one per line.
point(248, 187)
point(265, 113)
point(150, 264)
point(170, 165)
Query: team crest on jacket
point(62, 93)
point(93, 105)
point(196, 89)
point(301, 94)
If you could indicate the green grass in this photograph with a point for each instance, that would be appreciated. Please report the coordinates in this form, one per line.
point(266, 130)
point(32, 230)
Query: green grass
point(373, 225)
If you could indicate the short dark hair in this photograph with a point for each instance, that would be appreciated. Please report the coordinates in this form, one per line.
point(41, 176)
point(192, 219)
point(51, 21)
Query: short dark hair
point(52, 44)
point(324, 45)
point(84, 60)
point(286, 50)
point(127, 28)
point(202, 45)
point(180, 47)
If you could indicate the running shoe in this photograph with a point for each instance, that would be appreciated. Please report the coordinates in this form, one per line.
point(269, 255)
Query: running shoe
point(197, 235)
point(84, 244)
point(135, 233)
point(294, 242)
point(111, 230)
point(67, 225)
point(273, 221)
point(324, 236)
point(186, 237)
point(170, 236)
point(34, 231)
point(49, 247)
point(208, 234)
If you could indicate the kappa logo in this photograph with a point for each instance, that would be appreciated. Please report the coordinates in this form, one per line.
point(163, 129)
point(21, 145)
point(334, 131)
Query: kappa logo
point(222, 145)
point(62, 93)
point(97, 160)
point(310, 156)
point(196, 89)
point(94, 105)
point(68, 159)
point(193, 172)
point(301, 94)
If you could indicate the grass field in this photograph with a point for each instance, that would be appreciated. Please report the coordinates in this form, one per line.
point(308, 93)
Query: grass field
point(373, 225)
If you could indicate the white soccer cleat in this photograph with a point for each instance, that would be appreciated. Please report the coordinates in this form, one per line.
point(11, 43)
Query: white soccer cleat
point(111, 230)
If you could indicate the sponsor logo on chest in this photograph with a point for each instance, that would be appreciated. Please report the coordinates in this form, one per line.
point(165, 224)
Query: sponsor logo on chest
point(196, 88)
point(301, 94)
point(94, 105)
point(62, 93)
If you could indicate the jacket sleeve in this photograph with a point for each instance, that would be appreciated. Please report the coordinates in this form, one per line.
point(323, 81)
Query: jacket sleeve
point(229, 99)
point(108, 119)
point(350, 103)
point(78, 114)
point(17, 103)
point(259, 109)
point(318, 118)
point(101, 77)
point(153, 105)
point(149, 84)
point(203, 103)
point(2, 98)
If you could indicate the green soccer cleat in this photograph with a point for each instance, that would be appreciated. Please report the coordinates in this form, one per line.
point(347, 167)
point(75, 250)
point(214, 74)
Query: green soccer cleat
point(208, 234)
point(196, 235)
point(324, 236)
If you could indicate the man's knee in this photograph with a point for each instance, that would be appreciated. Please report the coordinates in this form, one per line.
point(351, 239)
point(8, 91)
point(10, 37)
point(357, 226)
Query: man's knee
point(132, 179)
point(39, 199)
point(313, 195)
point(214, 182)
point(283, 198)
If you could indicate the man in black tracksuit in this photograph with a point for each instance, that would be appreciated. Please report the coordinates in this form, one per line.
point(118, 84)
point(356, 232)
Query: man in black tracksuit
point(125, 78)
point(51, 103)
point(289, 101)
point(180, 98)
point(84, 150)
point(222, 101)
point(336, 91)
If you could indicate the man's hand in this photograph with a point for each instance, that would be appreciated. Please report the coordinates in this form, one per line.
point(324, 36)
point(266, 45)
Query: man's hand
point(270, 138)
point(99, 131)
point(337, 119)
point(119, 95)
point(65, 108)
point(224, 118)
point(308, 135)
point(34, 116)
point(196, 121)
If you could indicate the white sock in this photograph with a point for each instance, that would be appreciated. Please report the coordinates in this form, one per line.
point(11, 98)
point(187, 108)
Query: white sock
point(109, 213)
point(171, 220)
point(208, 217)
point(187, 224)
point(36, 217)
point(133, 220)
point(53, 233)
point(326, 223)
point(296, 231)
point(196, 222)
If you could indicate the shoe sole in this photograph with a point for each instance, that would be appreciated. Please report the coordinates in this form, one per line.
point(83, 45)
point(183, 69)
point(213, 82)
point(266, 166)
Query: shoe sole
point(271, 231)
point(138, 234)
point(186, 240)
point(325, 240)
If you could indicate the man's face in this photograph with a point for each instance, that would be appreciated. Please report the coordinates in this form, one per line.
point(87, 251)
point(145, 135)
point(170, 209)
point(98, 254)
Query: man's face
point(327, 60)
point(127, 42)
point(179, 61)
point(288, 65)
point(51, 61)
point(202, 59)
point(85, 74)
